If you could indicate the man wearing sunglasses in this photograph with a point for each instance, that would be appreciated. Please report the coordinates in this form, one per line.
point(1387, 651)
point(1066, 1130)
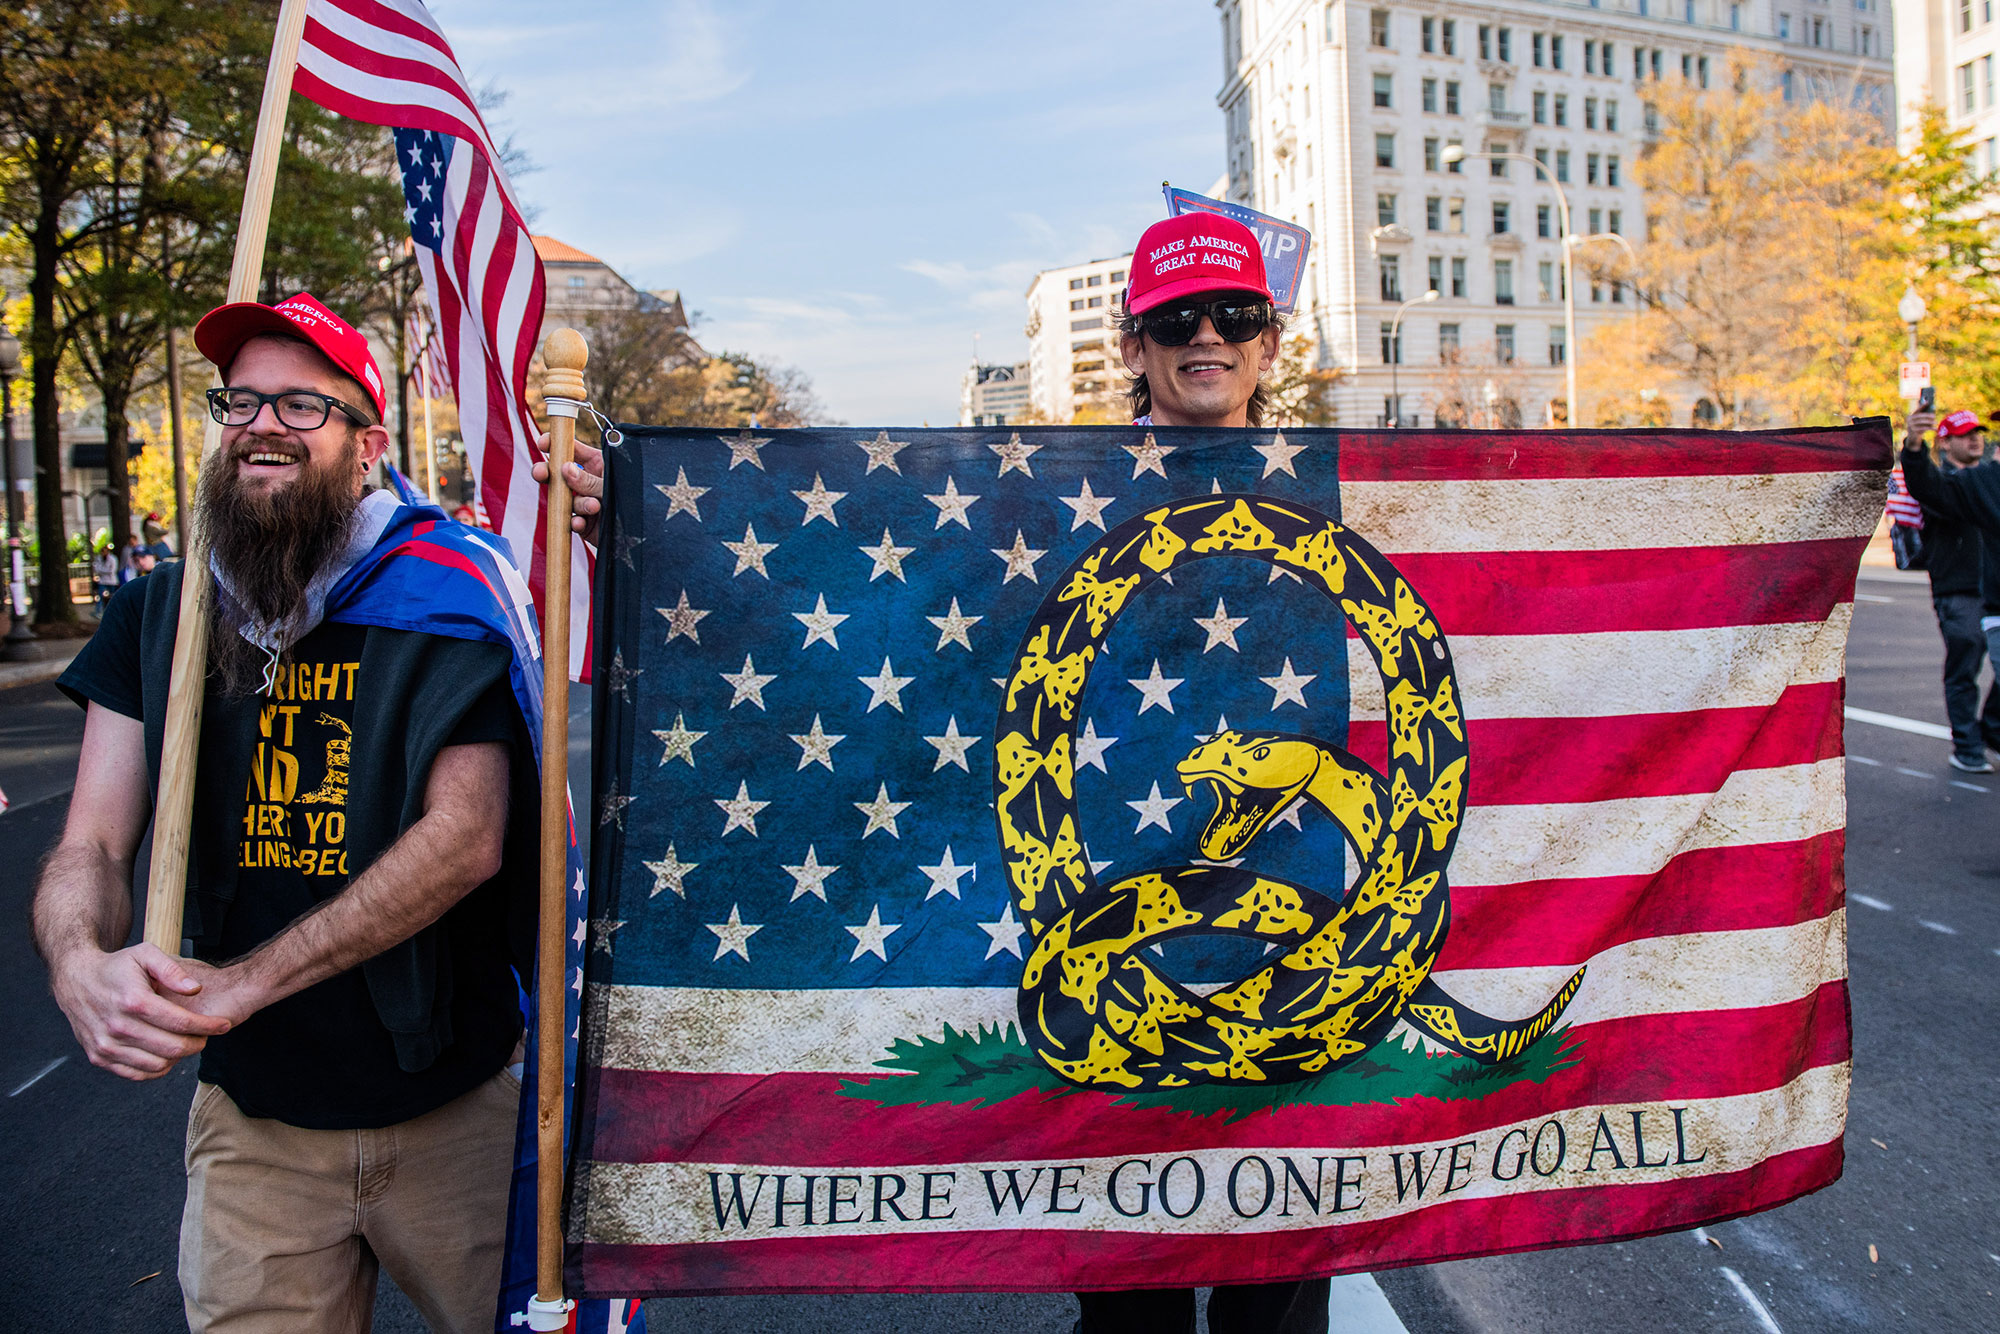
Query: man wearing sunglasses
point(1199, 330)
point(362, 858)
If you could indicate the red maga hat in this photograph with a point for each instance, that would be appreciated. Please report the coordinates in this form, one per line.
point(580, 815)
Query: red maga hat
point(1194, 253)
point(1961, 422)
point(224, 330)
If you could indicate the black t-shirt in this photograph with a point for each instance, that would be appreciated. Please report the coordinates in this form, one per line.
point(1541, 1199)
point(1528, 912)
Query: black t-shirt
point(320, 1058)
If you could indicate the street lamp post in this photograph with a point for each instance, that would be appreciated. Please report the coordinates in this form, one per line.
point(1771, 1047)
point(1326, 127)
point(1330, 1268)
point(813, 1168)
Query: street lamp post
point(1911, 311)
point(19, 635)
point(1456, 153)
point(1396, 351)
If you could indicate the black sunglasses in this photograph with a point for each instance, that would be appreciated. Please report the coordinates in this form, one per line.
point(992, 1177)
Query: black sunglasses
point(297, 408)
point(1236, 321)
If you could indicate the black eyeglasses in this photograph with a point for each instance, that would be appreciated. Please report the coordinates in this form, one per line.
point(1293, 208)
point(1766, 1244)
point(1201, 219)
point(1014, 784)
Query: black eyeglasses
point(297, 408)
point(1236, 321)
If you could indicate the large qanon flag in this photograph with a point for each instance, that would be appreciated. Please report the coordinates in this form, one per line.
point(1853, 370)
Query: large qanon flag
point(1100, 858)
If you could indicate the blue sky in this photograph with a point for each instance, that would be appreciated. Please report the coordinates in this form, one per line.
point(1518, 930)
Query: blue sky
point(855, 190)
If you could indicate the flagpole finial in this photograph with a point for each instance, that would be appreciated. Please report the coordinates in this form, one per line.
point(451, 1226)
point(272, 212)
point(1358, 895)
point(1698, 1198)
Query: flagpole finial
point(564, 353)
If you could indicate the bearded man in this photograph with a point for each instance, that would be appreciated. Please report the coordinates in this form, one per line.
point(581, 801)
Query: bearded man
point(361, 877)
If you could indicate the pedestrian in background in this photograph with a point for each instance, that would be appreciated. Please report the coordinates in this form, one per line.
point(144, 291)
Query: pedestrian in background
point(104, 578)
point(1956, 532)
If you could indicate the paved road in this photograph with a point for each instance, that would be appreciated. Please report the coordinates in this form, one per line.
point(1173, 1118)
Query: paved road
point(93, 1162)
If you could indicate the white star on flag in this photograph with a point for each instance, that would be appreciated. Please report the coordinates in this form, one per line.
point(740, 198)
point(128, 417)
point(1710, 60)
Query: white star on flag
point(868, 936)
point(733, 936)
point(1221, 627)
point(882, 812)
point(1020, 559)
point(946, 874)
point(1288, 687)
point(1014, 455)
point(681, 497)
point(750, 552)
point(679, 740)
point(809, 877)
point(1086, 507)
point(952, 506)
point(1155, 689)
point(601, 931)
point(819, 502)
point(748, 684)
point(952, 627)
point(1221, 726)
point(888, 558)
point(821, 623)
point(1290, 815)
point(882, 451)
point(1005, 934)
point(682, 619)
point(887, 688)
point(742, 811)
point(1153, 810)
point(816, 746)
point(1147, 456)
point(1090, 747)
point(1278, 455)
point(743, 448)
point(951, 747)
point(671, 873)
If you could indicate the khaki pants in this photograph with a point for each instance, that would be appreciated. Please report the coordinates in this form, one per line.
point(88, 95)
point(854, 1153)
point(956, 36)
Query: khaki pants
point(286, 1229)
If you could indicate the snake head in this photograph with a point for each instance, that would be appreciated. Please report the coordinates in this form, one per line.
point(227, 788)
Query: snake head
point(1255, 775)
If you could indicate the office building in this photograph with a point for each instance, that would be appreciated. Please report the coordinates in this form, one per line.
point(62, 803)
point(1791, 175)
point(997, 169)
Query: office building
point(1073, 360)
point(993, 395)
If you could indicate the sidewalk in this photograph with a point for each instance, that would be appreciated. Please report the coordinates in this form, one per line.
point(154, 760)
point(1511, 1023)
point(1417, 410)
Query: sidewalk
point(56, 656)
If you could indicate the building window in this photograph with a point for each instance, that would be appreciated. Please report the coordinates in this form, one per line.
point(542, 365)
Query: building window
point(1430, 154)
point(1611, 114)
point(1385, 150)
point(1558, 347)
point(1965, 15)
point(1538, 50)
point(1458, 276)
point(1605, 61)
point(1076, 304)
point(1596, 291)
point(1542, 215)
point(1616, 223)
point(1448, 344)
point(1448, 33)
point(1095, 302)
point(1590, 57)
point(1389, 268)
point(1784, 27)
point(1784, 81)
point(1451, 97)
point(1562, 166)
point(1385, 210)
point(1503, 344)
point(1967, 103)
point(1392, 344)
point(1501, 216)
point(1378, 27)
point(1503, 282)
point(1076, 284)
point(1430, 94)
point(1986, 79)
point(1455, 217)
point(1434, 215)
point(1590, 171)
point(1589, 113)
point(1094, 280)
point(1506, 44)
point(1486, 41)
point(1545, 280)
point(1496, 167)
point(1094, 322)
point(1385, 90)
point(1618, 294)
point(1455, 168)
point(1429, 28)
point(1687, 67)
point(1611, 171)
point(1118, 275)
point(1596, 221)
point(1436, 274)
point(1562, 109)
point(1736, 18)
point(1687, 11)
point(1701, 71)
point(1539, 106)
point(1556, 52)
point(1541, 160)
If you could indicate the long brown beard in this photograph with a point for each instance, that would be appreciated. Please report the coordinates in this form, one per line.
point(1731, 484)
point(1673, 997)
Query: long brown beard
point(270, 545)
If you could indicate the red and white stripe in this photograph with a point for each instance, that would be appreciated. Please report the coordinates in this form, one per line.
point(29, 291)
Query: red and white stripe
point(387, 63)
point(1903, 507)
point(1649, 636)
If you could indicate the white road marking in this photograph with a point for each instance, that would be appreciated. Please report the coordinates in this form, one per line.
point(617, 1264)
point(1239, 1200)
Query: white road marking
point(1871, 597)
point(1915, 773)
point(1357, 1306)
point(1969, 787)
point(36, 1078)
point(1863, 759)
point(1868, 902)
point(1751, 1300)
point(1939, 927)
point(1890, 720)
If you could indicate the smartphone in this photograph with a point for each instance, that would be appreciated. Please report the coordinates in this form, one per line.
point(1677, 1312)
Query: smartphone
point(1927, 399)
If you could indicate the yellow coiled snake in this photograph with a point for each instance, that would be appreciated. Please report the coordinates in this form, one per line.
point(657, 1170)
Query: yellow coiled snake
point(1096, 1011)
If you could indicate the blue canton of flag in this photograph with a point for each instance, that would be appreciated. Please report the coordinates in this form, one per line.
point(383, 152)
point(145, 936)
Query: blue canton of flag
point(424, 156)
point(809, 676)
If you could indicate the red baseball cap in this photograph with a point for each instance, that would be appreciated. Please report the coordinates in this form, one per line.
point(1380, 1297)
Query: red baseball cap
point(224, 330)
point(1194, 253)
point(1961, 422)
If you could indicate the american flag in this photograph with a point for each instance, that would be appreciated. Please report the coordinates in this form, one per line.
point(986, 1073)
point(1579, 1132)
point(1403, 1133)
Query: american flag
point(804, 1059)
point(1903, 507)
point(387, 63)
point(427, 355)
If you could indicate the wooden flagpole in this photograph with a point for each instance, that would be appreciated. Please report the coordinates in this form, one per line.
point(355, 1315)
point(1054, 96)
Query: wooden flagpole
point(564, 354)
point(173, 807)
